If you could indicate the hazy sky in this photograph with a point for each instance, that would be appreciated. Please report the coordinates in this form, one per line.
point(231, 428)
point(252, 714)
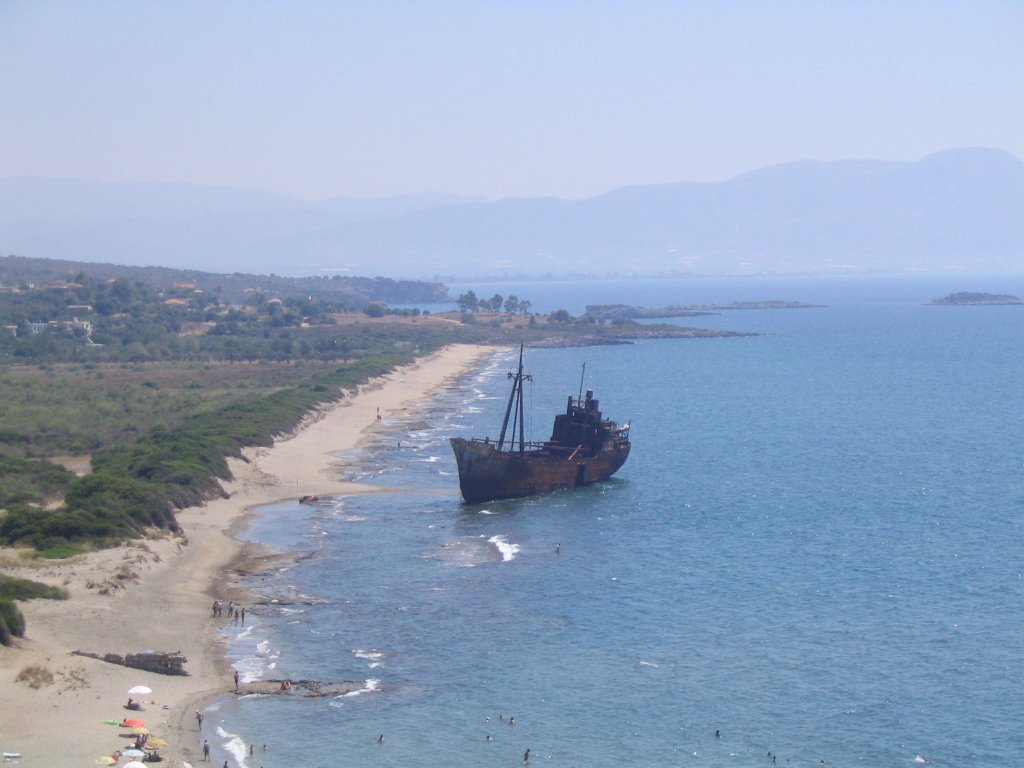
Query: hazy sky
point(516, 98)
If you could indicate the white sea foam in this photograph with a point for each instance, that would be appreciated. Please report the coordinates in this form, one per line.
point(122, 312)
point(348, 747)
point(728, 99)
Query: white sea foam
point(262, 647)
point(233, 744)
point(508, 551)
point(360, 653)
point(371, 686)
point(251, 668)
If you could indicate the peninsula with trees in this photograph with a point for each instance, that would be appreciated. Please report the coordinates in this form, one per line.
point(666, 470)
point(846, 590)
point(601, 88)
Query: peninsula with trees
point(612, 312)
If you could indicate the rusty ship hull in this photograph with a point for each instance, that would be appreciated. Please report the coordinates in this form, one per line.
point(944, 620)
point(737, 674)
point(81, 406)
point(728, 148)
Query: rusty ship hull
point(487, 474)
point(584, 448)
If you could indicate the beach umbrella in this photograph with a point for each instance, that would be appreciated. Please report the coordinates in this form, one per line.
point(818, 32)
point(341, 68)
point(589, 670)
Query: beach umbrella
point(140, 729)
point(134, 764)
point(157, 742)
point(105, 760)
point(133, 723)
point(185, 765)
point(138, 689)
point(133, 753)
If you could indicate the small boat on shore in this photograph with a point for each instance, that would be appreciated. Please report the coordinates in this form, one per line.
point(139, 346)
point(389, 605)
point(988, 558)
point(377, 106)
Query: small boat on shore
point(584, 448)
point(308, 499)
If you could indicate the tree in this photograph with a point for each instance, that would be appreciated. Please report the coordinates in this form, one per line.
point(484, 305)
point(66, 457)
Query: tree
point(468, 302)
point(560, 316)
point(512, 304)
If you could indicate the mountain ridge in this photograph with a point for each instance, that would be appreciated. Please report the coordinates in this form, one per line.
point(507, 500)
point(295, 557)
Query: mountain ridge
point(956, 209)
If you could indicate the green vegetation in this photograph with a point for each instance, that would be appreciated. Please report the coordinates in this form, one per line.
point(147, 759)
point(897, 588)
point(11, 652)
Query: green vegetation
point(12, 622)
point(139, 486)
point(104, 313)
point(26, 589)
point(512, 305)
point(31, 480)
point(156, 377)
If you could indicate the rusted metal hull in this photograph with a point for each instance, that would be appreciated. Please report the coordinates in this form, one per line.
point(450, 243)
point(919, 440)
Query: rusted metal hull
point(486, 474)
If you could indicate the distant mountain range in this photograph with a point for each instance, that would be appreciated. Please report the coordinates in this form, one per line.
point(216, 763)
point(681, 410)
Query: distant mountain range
point(959, 210)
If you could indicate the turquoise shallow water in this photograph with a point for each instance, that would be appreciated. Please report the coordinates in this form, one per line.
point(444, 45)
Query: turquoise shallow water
point(815, 549)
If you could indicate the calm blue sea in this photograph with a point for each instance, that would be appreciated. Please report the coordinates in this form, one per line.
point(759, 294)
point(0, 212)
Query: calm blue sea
point(815, 549)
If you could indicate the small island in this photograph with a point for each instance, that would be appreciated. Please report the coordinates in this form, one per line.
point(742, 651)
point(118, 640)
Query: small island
point(972, 299)
point(607, 312)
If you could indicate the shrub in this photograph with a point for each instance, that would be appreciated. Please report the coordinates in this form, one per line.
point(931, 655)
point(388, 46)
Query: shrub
point(25, 589)
point(12, 622)
point(35, 676)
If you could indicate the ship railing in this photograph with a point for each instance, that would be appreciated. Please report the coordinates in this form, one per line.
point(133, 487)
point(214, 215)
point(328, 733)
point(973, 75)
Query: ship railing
point(509, 444)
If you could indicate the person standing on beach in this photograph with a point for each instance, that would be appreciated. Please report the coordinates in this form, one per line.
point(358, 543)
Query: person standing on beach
point(199, 719)
point(206, 751)
point(236, 681)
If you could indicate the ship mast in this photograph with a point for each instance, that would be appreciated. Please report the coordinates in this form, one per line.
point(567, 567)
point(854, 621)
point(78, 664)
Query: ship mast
point(515, 400)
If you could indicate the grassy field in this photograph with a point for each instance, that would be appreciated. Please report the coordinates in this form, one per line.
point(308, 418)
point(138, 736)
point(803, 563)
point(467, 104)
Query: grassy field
point(158, 436)
point(76, 410)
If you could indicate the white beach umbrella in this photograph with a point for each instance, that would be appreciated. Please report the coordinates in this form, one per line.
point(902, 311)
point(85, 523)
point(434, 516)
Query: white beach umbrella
point(139, 689)
point(134, 764)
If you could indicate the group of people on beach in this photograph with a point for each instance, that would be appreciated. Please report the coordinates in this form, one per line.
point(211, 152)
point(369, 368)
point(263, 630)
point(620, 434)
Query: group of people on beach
point(141, 739)
point(235, 612)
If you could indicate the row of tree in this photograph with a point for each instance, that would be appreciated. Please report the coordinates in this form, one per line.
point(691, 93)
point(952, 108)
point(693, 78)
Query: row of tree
point(469, 302)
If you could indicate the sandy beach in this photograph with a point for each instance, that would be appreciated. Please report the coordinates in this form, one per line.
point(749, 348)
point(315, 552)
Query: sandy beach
point(156, 594)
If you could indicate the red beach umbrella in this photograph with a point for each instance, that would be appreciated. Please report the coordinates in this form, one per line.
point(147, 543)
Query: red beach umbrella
point(134, 723)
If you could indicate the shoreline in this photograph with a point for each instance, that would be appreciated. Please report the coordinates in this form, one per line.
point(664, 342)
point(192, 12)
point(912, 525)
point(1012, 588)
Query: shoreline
point(159, 592)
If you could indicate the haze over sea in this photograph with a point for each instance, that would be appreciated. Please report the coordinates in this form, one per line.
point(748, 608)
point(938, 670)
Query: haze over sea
point(815, 548)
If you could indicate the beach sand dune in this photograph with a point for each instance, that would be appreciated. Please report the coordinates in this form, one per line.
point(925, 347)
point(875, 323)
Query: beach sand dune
point(157, 594)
